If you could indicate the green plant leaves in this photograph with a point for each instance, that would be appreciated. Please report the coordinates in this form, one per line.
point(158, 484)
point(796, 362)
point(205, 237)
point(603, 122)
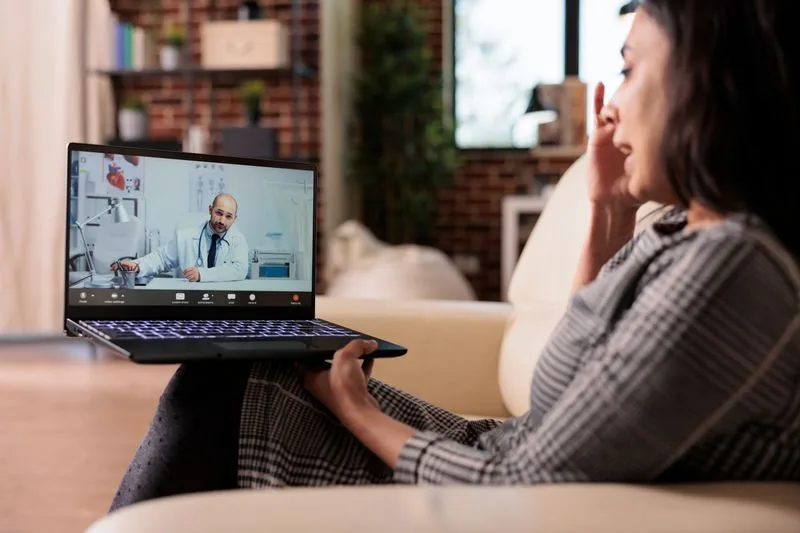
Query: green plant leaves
point(402, 147)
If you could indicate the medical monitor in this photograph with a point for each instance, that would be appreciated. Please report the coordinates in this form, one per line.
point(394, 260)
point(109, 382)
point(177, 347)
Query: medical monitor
point(141, 226)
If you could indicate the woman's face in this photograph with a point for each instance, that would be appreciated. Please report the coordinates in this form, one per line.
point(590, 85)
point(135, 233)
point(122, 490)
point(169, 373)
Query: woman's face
point(639, 109)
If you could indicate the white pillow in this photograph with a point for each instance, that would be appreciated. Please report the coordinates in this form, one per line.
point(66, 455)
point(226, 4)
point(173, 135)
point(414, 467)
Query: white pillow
point(360, 266)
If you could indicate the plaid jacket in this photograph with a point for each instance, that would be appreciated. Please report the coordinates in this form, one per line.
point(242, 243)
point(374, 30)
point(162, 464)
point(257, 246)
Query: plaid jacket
point(681, 361)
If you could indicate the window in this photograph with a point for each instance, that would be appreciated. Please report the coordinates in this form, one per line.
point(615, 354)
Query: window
point(602, 34)
point(503, 48)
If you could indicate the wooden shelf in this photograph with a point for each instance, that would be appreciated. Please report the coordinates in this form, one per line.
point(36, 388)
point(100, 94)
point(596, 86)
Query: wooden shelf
point(158, 7)
point(558, 152)
point(296, 72)
point(301, 70)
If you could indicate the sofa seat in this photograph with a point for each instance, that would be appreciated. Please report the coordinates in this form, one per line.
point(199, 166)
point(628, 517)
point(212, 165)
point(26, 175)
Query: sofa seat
point(601, 508)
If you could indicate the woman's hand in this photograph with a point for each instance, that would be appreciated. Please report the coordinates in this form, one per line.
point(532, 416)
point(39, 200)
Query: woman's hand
point(607, 182)
point(612, 219)
point(343, 387)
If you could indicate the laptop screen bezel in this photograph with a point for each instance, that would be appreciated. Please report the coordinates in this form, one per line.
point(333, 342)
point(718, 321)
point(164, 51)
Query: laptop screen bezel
point(196, 312)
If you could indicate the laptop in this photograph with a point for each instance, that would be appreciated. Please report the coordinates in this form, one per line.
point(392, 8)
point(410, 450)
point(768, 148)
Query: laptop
point(174, 257)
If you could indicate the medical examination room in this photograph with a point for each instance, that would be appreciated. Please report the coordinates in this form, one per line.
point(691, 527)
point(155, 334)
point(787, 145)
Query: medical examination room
point(146, 222)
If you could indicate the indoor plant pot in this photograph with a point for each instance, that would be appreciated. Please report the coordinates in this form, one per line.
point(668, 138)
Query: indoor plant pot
point(132, 120)
point(251, 92)
point(171, 51)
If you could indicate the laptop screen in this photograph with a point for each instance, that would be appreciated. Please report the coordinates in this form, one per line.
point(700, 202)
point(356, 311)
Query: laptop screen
point(149, 230)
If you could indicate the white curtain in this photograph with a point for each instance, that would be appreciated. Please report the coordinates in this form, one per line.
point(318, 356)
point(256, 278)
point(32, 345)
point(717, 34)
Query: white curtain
point(40, 112)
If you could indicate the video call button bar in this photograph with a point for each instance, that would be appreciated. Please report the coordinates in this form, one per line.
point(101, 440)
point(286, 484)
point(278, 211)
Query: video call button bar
point(103, 296)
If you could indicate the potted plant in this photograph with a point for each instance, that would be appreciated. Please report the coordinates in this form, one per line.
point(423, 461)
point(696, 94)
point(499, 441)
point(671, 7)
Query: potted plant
point(132, 120)
point(174, 39)
point(402, 147)
point(251, 93)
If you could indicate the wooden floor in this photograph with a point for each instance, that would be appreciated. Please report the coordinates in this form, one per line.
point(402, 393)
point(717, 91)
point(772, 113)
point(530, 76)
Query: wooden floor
point(69, 424)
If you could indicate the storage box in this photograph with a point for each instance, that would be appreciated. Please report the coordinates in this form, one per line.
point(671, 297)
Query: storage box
point(256, 44)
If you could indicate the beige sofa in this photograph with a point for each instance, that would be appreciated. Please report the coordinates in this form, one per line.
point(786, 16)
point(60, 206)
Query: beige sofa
point(477, 358)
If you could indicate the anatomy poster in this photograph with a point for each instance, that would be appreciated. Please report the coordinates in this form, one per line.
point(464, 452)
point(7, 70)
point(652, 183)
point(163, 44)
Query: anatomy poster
point(206, 180)
point(124, 175)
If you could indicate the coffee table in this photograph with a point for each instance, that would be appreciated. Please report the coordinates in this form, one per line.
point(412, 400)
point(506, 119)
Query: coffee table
point(71, 417)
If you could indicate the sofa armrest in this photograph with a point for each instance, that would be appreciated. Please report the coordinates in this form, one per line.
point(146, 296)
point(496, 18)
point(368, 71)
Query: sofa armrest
point(453, 347)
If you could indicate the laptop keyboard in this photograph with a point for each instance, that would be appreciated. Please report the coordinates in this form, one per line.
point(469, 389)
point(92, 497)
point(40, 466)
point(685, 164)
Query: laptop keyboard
point(215, 329)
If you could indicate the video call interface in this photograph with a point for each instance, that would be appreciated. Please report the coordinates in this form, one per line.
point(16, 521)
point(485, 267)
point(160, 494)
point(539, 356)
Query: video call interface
point(160, 231)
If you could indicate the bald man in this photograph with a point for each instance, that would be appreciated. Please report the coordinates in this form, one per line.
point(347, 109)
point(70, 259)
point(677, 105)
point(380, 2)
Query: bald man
point(214, 252)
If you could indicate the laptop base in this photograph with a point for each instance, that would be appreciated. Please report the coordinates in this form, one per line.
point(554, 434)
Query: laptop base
point(178, 351)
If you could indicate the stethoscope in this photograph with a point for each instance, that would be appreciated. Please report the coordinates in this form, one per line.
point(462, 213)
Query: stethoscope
point(200, 242)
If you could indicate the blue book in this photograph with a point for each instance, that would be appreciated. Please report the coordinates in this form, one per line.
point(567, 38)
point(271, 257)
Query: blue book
point(119, 35)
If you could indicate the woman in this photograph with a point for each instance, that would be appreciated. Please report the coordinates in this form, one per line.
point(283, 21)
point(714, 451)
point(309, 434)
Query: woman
point(678, 358)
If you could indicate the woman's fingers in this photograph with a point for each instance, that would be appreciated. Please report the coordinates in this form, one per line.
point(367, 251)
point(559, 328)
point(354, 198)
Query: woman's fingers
point(355, 349)
point(308, 367)
point(367, 365)
point(599, 97)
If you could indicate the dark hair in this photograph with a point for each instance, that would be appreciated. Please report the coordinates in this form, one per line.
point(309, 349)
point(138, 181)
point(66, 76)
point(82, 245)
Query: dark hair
point(732, 138)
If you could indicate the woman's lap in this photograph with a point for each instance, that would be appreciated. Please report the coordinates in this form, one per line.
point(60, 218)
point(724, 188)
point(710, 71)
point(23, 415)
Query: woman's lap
point(288, 438)
point(242, 425)
point(191, 444)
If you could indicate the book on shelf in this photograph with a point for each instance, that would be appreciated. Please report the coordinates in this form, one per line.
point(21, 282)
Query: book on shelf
point(135, 48)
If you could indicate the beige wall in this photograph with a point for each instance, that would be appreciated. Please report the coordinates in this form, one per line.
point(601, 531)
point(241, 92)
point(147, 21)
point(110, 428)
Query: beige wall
point(338, 58)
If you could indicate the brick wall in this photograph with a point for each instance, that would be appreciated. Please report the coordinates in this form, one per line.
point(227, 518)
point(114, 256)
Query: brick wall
point(167, 95)
point(469, 220)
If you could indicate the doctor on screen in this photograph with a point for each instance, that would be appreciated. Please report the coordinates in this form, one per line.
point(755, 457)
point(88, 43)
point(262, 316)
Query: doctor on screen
point(212, 252)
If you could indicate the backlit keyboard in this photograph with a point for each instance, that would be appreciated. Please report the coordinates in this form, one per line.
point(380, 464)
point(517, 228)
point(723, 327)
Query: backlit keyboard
point(215, 329)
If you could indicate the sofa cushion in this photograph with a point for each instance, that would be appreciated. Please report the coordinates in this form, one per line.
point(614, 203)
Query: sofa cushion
point(527, 331)
point(541, 284)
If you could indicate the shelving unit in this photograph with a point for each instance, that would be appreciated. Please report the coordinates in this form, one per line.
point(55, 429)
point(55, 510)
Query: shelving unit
point(519, 215)
point(297, 69)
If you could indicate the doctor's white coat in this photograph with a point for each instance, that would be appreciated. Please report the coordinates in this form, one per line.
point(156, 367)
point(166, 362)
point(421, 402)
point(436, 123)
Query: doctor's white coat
point(232, 260)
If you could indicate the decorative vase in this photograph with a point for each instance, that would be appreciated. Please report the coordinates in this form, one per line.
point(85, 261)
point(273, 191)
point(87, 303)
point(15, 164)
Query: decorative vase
point(132, 124)
point(170, 57)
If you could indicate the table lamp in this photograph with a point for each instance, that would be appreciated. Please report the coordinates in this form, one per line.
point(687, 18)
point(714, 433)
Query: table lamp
point(554, 110)
point(120, 215)
point(526, 131)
